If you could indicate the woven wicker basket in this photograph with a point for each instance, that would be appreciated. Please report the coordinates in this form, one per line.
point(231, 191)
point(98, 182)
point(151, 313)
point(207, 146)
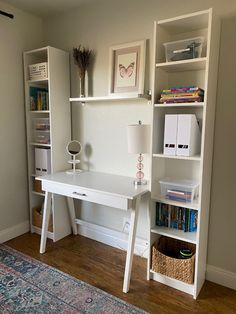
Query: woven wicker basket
point(37, 219)
point(181, 269)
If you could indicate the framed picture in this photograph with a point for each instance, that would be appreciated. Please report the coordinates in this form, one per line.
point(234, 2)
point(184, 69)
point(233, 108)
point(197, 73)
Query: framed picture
point(127, 68)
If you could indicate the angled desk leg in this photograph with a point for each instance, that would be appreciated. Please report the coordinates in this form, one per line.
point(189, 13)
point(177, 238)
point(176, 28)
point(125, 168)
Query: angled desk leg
point(46, 214)
point(71, 207)
point(131, 241)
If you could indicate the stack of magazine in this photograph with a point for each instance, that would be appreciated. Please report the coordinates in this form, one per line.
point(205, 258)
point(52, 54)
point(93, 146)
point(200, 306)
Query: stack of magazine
point(182, 94)
point(176, 217)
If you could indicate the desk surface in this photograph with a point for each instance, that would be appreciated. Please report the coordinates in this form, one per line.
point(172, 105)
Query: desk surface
point(121, 186)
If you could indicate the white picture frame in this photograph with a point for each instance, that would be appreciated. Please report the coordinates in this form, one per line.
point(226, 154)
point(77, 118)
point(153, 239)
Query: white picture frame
point(127, 68)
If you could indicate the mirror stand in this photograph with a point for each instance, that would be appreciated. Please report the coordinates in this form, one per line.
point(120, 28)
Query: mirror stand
point(73, 149)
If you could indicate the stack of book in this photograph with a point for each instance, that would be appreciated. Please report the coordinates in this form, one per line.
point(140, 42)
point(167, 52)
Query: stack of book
point(181, 196)
point(182, 94)
point(180, 218)
point(39, 98)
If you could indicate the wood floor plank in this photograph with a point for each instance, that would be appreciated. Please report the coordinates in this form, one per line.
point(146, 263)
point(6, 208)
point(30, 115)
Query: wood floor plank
point(103, 266)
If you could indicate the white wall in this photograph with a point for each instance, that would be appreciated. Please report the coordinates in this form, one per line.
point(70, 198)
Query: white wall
point(102, 126)
point(24, 32)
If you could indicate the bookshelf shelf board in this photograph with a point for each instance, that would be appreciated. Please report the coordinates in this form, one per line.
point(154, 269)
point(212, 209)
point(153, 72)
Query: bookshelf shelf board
point(187, 22)
point(39, 111)
point(196, 158)
point(176, 234)
point(174, 283)
point(41, 145)
point(37, 193)
point(37, 230)
point(42, 131)
point(41, 81)
point(183, 65)
point(186, 104)
point(110, 98)
point(191, 205)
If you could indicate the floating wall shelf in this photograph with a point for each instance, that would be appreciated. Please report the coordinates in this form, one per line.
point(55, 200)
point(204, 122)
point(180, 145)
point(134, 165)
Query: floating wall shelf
point(110, 98)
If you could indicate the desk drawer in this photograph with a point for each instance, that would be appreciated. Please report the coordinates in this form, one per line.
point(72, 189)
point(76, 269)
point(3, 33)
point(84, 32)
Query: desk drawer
point(87, 195)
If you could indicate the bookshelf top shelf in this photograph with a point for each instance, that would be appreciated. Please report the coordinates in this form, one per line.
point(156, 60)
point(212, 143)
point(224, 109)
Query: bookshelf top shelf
point(186, 23)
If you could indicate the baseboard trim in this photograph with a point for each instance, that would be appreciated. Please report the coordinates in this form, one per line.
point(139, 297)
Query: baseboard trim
point(221, 276)
point(15, 231)
point(111, 237)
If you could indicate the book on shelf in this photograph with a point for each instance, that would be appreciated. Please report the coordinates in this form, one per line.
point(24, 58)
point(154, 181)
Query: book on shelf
point(39, 98)
point(176, 217)
point(181, 94)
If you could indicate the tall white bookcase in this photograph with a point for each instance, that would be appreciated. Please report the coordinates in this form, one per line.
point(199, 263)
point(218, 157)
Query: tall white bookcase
point(201, 72)
point(56, 110)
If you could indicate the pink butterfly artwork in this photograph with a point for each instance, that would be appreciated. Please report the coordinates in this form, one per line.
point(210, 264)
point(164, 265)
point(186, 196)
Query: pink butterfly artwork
point(126, 72)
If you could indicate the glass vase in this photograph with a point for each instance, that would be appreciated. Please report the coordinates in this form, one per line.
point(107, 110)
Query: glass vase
point(82, 85)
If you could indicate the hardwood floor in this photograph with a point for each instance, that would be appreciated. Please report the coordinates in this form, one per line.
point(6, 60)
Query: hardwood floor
point(103, 266)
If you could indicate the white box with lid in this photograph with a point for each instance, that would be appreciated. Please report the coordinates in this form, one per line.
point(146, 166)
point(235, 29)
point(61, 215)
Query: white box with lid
point(179, 190)
point(42, 137)
point(38, 71)
point(184, 49)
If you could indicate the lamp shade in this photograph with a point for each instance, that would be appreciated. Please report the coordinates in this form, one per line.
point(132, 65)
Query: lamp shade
point(138, 138)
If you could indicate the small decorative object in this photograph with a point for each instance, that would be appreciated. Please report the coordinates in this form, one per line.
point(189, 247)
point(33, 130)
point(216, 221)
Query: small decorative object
point(127, 67)
point(73, 149)
point(139, 143)
point(82, 57)
point(185, 253)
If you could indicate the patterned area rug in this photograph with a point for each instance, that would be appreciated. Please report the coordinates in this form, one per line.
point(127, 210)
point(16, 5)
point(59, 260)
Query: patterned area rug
point(29, 286)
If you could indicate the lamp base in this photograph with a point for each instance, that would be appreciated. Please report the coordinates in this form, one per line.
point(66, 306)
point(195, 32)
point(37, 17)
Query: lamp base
point(140, 182)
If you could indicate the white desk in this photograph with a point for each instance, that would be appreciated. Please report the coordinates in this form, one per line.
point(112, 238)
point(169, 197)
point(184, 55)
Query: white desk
point(105, 189)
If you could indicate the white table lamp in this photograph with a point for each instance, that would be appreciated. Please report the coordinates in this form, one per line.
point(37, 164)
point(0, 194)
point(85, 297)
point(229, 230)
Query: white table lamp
point(139, 143)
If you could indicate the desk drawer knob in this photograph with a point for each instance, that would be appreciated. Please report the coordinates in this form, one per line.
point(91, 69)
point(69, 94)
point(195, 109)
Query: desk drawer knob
point(80, 194)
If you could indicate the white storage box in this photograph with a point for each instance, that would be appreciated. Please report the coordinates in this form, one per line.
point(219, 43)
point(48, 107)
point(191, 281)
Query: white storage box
point(38, 71)
point(184, 49)
point(42, 137)
point(179, 190)
point(42, 161)
point(41, 124)
point(188, 135)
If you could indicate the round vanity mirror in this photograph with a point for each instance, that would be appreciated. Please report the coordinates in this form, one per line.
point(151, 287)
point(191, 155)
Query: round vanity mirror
point(74, 148)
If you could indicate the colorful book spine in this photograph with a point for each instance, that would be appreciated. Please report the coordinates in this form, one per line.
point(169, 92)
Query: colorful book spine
point(176, 217)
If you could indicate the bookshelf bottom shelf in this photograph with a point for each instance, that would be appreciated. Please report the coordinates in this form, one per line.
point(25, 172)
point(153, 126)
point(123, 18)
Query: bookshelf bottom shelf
point(171, 282)
point(34, 229)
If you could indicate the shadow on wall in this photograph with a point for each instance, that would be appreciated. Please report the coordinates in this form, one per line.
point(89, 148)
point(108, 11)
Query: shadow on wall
point(223, 213)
